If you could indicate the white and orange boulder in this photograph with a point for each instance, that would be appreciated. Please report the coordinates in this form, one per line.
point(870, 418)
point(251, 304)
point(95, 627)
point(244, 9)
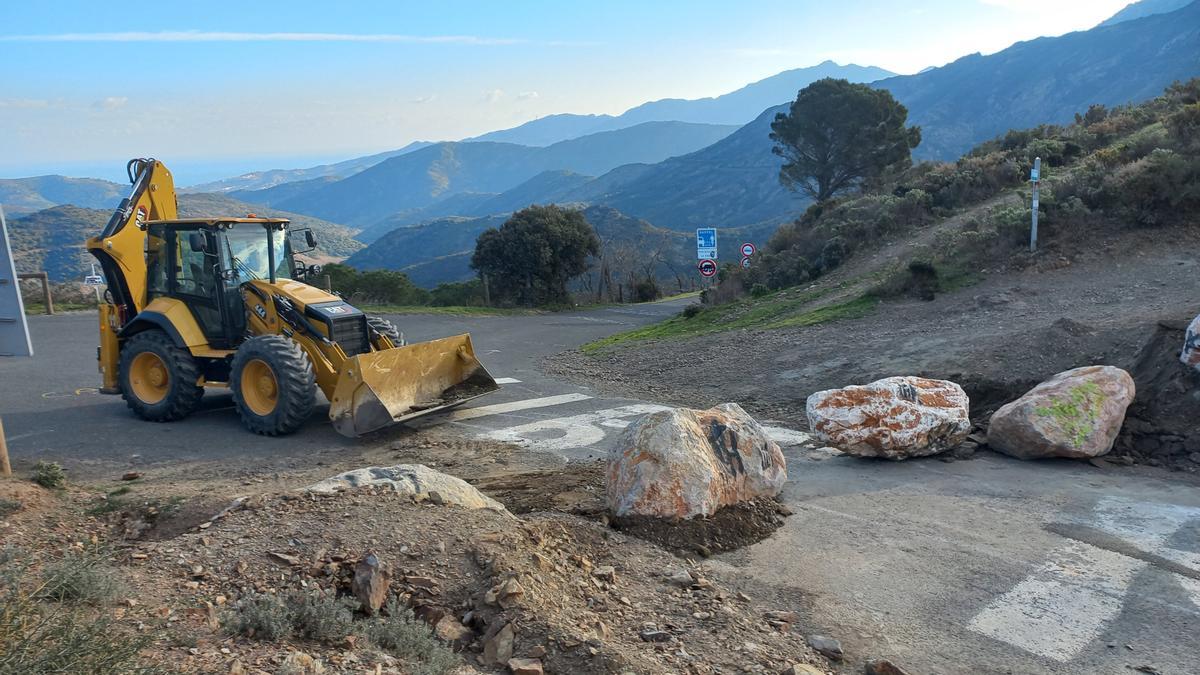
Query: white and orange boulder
point(682, 463)
point(892, 418)
point(1077, 414)
point(1191, 345)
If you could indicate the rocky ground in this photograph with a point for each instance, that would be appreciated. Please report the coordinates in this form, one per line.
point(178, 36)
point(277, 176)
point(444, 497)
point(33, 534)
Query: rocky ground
point(576, 594)
point(1124, 301)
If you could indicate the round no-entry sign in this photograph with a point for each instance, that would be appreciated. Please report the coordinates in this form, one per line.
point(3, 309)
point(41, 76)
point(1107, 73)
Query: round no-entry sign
point(708, 268)
point(748, 249)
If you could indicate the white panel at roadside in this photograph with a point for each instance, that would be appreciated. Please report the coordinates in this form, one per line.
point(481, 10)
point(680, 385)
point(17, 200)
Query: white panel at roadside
point(14, 332)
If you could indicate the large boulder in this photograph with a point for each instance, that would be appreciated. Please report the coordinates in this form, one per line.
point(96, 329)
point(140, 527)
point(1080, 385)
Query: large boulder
point(681, 463)
point(1191, 345)
point(1075, 414)
point(416, 480)
point(892, 418)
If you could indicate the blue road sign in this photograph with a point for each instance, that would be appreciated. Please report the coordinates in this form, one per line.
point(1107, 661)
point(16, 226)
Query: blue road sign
point(706, 243)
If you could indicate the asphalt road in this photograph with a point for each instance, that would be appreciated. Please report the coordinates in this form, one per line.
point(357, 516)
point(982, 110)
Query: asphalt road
point(52, 411)
point(991, 565)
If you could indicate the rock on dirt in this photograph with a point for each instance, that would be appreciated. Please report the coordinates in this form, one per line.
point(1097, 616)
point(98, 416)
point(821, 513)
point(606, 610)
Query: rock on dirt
point(892, 418)
point(883, 667)
point(1075, 414)
point(370, 585)
point(826, 646)
point(681, 463)
point(416, 480)
point(1190, 355)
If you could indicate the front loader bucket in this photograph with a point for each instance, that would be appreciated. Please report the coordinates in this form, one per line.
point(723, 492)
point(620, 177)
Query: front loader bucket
point(395, 385)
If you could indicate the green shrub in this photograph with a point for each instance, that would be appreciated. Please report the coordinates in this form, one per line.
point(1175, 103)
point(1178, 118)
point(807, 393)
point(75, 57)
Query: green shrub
point(1158, 188)
point(320, 617)
point(407, 638)
point(645, 290)
point(67, 637)
point(458, 294)
point(260, 616)
point(49, 475)
point(759, 290)
point(83, 578)
point(9, 507)
point(692, 310)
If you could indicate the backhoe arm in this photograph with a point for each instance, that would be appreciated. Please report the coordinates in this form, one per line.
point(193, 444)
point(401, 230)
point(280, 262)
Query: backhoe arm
point(121, 250)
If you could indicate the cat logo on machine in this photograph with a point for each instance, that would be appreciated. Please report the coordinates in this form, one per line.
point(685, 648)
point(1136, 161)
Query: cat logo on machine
point(139, 218)
point(260, 311)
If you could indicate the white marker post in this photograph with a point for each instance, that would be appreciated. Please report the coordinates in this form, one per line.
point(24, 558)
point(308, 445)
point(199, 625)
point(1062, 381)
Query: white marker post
point(1035, 177)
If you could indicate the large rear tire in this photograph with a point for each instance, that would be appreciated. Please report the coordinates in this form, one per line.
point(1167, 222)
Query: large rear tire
point(386, 328)
point(273, 385)
point(158, 379)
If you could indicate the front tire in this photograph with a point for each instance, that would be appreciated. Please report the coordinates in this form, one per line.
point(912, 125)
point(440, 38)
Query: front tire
point(273, 385)
point(158, 380)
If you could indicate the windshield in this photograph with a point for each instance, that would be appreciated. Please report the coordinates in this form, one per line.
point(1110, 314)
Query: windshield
point(246, 253)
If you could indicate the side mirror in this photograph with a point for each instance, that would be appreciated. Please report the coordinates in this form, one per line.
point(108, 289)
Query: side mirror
point(198, 242)
point(310, 239)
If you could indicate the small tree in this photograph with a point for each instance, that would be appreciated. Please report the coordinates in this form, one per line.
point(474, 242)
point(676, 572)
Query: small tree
point(838, 135)
point(535, 253)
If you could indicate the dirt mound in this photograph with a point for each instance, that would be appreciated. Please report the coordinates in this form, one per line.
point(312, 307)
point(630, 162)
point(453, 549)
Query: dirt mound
point(576, 488)
point(1162, 426)
point(729, 529)
point(584, 598)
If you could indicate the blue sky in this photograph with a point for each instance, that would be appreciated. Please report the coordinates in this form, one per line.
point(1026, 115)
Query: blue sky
point(219, 87)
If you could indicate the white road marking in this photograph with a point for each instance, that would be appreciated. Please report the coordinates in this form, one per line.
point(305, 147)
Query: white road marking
point(1063, 605)
point(787, 437)
point(507, 380)
point(513, 406)
point(1069, 600)
point(575, 431)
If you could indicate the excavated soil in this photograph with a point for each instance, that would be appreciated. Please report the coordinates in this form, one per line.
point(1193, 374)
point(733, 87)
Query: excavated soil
point(1121, 302)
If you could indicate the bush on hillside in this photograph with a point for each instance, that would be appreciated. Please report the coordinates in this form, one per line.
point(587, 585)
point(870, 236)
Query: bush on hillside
point(374, 287)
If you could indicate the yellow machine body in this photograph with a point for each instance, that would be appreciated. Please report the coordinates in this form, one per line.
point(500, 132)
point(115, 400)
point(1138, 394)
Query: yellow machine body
point(371, 382)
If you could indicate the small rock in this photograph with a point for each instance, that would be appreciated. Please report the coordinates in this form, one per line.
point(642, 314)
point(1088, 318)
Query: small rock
point(284, 558)
point(781, 616)
point(801, 669)
point(498, 648)
point(883, 667)
point(451, 629)
point(826, 646)
point(537, 652)
point(605, 573)
point(525, 666)
point(131, 475)
point(236, 668)
point(370, 585)
point(1195, 457)
point(655, 636)
point(680, 578)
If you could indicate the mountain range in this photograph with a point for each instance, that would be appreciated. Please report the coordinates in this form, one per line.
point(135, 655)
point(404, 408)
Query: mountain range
point(422, 177)
point(737, 107)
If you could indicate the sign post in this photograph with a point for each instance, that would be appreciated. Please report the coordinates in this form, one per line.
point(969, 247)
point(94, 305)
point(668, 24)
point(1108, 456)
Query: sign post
point(1035, 177)
point(14, 332)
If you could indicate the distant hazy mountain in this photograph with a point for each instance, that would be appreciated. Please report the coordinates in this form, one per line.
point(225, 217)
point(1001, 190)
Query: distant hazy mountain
point(26, 195)
point(440, 251)
point(259, 180)
point(1048, 80)
point(1144, 8)
point(334, 240)
point(51, 240)
point(737, 107)
point(420, 178)
point(546, 187)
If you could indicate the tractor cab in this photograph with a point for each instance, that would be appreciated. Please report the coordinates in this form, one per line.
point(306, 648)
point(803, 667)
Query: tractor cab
point(205, 262)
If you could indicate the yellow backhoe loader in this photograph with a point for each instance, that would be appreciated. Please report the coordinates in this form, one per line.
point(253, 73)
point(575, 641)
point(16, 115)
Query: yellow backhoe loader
point(222, 302)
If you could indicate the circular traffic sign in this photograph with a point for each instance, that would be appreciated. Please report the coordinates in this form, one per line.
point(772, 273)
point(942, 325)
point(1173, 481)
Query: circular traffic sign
point(748, 249)
point(708, 268)
point(746, 262)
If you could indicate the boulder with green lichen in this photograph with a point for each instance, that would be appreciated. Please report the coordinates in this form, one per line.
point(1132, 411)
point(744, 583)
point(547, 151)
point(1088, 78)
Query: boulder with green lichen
point(1076, 414)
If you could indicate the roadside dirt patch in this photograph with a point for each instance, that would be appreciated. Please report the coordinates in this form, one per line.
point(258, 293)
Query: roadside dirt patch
point(588, 599)
point(576, 488)
point(729, 529)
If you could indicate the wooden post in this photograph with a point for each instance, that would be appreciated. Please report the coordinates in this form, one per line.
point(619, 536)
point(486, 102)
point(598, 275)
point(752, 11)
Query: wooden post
point(45, 279)
point(5, 467)
point(328, 284)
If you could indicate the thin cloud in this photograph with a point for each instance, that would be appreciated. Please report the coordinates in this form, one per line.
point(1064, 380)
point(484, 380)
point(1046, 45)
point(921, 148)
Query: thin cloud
point(220, 36)
point(112, 102)
point(425, 99)
point(528, 95)
point(493, 96)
